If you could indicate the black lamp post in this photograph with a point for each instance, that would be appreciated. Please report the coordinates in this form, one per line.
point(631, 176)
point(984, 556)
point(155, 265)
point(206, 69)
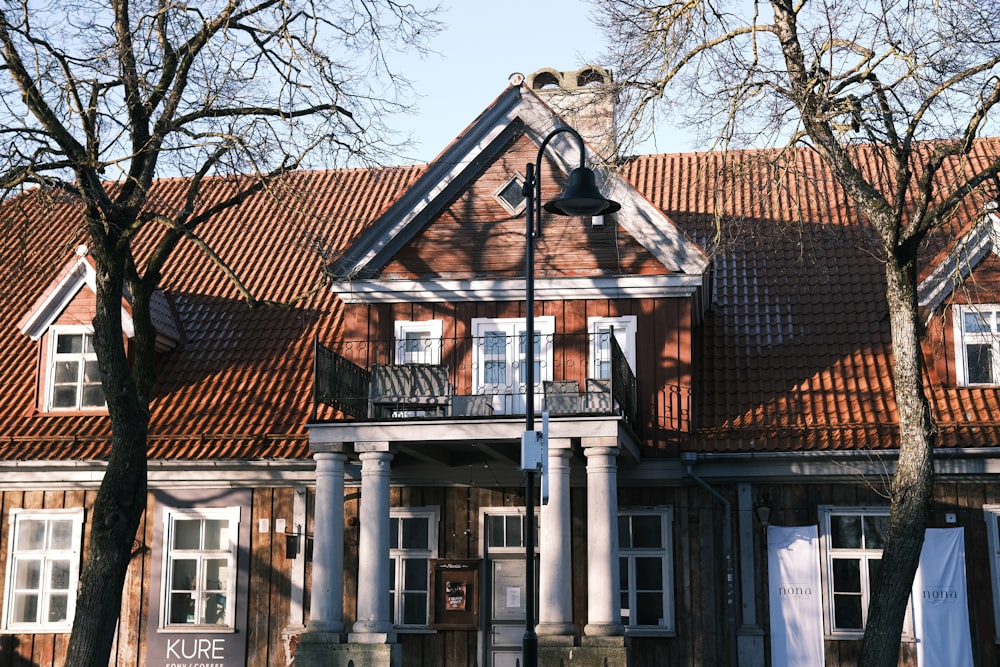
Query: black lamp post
point(582, 199)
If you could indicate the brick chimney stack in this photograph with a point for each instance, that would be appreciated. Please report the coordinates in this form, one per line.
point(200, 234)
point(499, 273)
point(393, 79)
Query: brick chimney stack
point(585, 99)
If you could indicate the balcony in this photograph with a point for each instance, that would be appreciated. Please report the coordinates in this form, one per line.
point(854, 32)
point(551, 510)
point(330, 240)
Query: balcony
point(475, 378)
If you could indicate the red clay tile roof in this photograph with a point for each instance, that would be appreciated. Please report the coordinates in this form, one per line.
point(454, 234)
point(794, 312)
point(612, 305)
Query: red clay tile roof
point(793, 354)
point(240, 386)
point(795, 351)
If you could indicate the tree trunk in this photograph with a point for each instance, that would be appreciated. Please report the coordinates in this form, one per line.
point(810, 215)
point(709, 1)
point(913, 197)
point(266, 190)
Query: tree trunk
point(121, 499)
point(912, 485)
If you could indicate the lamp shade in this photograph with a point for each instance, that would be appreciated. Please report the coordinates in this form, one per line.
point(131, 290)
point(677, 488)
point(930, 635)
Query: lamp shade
point(581, 197)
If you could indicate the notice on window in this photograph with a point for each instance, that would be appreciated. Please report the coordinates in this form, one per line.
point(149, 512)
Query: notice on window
point(513, 597)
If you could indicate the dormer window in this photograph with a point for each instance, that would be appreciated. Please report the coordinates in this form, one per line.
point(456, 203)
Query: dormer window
point(74, 382)
point(977, 344)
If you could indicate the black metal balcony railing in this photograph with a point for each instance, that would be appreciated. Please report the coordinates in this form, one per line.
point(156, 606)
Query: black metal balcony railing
point(473, 377)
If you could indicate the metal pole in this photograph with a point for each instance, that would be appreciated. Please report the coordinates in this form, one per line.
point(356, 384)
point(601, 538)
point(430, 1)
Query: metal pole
point(529, 644)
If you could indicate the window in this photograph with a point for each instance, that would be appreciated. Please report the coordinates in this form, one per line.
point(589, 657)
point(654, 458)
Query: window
point(853, 539)
point(43, 567)
point(74, 380)
point(412, 545)
point(199, 567)
point(644, 548)
point(418, 342)
point(977, 345)
point(600, 329)
point(501, 358)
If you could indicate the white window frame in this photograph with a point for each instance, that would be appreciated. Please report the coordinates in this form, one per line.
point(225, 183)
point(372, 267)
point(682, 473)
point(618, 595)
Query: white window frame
point(963, 338)
point(625, 328)
point(398, 555)
point(508, 396)
point(53, 357)
point(865, 555)
point(172, 514)
point(629, 554)
point(991, 514)
point(429, 332)
point(47, 556)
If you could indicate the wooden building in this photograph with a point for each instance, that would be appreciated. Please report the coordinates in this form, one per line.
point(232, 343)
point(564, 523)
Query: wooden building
point(339, 480)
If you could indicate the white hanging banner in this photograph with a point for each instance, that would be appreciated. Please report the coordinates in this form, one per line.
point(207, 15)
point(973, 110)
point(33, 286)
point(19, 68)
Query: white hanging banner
point(793, 575)
point(940, 601)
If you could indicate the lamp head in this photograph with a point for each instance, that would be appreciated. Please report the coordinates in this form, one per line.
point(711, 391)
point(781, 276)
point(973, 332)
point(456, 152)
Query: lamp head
point(581, 197)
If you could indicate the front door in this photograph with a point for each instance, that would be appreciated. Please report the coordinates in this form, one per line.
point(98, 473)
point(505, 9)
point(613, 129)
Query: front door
point(505, 567)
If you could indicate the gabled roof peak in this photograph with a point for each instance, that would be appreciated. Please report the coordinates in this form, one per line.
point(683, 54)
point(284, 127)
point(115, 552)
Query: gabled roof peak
point(81, 272)
point(518, 111)
point(958, 262)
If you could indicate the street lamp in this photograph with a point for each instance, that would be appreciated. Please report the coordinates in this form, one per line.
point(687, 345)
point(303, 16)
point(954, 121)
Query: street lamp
point(582, 199)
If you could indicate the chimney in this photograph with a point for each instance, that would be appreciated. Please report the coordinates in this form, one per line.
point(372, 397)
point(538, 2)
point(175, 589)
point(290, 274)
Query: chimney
point(585, 99)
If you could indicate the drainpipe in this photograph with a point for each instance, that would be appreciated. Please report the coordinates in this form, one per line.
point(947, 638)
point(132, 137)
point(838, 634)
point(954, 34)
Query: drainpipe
point(689, 459)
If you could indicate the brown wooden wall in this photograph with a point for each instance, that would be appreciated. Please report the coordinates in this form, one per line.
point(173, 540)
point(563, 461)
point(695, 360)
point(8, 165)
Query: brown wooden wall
point(663, 348)
point(700, 605)
point(476, 236)
point(269, 588)
point(698, 552)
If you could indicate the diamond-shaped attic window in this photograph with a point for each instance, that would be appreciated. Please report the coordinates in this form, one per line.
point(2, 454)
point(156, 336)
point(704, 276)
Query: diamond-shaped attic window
point(511, 194)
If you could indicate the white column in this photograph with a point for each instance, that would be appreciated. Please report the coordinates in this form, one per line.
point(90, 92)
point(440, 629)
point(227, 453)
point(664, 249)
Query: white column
point(374, 624)
point(326, 613)
point(603, 580)
point(555, 580)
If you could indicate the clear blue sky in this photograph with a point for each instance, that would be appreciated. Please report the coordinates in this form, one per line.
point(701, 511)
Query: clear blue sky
point(481, 45)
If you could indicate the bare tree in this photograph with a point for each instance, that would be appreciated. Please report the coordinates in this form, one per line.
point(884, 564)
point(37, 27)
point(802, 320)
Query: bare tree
point(99, 99)
point(862, 84)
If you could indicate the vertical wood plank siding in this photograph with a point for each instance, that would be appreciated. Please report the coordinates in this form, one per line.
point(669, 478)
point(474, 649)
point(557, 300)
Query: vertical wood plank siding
point(700, 607)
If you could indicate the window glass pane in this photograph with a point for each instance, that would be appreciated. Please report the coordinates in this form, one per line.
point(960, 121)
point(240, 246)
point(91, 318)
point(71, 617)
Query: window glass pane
point(58, 608)
point(59, 575)
point(495, 531)
point(30, 535)
point(214, 608)
point(979, 363)
point(415, 608)
point(649, 573)
point(69, 343)
point(28, 574)
point(184, 575)
point(93, 396)
point(60, 535)
point(512, 537)
point(845, 531)
point(415, 574)
point(876, 527)
point(187, 534)
point(975, 322)
point(216, 534)
point(64, 397)
point(647, 531)
point(415, 533)
point(91, 373)
point(847, 612)
point(495, 343)
point(216, 574)
point(88, 344)
point(25, 608)
point(67, 372)
point(393, 533)
point(181, 608)
point(847, 575)
point(648, 608)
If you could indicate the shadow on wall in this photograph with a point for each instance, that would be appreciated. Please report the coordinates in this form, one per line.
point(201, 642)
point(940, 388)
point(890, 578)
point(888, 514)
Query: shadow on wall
point(9, 657)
